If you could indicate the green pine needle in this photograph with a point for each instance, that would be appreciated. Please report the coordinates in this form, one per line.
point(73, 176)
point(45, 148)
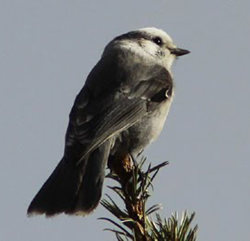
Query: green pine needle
point(135, 220)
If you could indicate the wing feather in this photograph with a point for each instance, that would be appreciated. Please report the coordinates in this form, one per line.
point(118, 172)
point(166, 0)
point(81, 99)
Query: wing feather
point(97, 117)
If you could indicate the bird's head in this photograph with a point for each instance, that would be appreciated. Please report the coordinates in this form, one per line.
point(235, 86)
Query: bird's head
point(151, 44)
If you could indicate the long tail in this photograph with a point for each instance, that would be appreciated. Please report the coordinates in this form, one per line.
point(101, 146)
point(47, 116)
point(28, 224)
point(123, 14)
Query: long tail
point(74, 190)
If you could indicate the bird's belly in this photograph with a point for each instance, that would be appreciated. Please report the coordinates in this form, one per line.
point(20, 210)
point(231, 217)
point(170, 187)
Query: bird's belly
point(145, 131)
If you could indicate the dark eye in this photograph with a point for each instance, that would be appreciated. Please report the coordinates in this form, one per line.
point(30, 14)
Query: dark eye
point(157, 40)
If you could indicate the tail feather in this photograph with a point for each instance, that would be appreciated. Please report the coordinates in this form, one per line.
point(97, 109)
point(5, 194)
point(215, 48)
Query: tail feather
point(57, 192)
point(74, 190)
point(90, 190)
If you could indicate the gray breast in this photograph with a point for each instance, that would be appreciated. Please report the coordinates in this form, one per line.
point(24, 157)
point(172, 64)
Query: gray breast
point(135, 139)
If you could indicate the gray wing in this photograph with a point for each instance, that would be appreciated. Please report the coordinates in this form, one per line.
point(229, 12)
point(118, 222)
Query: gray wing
point(103, 110)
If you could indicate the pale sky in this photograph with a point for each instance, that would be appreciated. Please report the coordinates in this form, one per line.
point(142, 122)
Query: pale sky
point(47, 48)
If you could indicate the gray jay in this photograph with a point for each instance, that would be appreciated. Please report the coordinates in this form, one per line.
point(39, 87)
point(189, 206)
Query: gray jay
point(119, 111)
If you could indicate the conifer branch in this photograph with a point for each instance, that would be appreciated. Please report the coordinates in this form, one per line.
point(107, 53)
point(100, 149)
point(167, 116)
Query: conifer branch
point(135, 220)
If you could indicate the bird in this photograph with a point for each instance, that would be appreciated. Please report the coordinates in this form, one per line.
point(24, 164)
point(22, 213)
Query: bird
point(120, 110)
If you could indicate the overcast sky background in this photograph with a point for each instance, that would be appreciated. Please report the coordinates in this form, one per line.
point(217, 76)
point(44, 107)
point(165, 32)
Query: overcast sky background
point(47, 48)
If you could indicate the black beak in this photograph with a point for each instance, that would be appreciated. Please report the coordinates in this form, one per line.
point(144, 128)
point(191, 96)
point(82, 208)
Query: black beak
point(179, 52)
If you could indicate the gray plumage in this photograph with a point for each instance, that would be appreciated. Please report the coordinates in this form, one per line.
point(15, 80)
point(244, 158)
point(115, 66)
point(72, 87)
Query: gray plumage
point(120, 110)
